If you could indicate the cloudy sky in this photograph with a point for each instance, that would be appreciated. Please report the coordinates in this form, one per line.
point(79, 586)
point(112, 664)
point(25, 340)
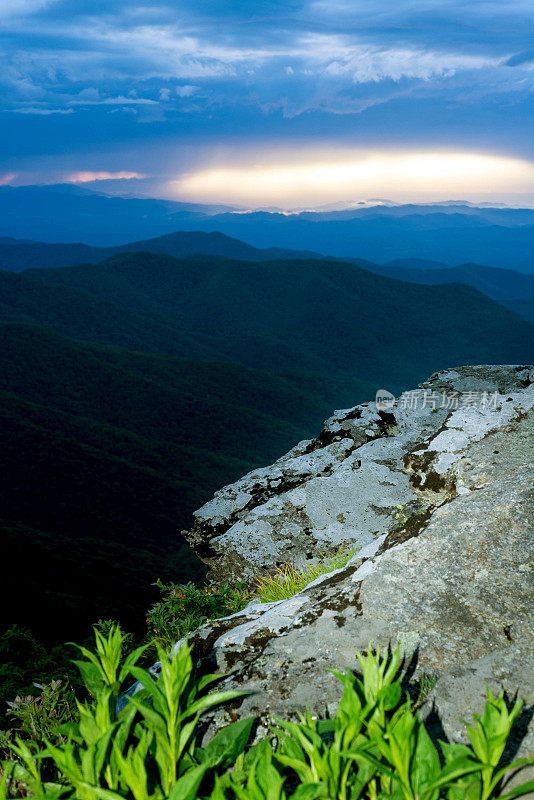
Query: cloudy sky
point(259, 101)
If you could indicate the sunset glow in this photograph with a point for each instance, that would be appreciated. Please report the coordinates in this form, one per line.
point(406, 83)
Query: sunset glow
point(87, 177)
point(362, 175)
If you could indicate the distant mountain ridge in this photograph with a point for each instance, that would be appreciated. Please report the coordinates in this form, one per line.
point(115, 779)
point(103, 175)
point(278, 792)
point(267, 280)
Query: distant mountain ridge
point(17, 255)
point(451, 238)
point(515, 290)
point(451, 233)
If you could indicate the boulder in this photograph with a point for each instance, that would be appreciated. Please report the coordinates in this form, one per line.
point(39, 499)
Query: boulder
point(436, 493)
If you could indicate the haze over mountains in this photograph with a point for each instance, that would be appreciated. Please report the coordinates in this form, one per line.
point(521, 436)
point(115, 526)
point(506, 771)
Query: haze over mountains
point(451, 234)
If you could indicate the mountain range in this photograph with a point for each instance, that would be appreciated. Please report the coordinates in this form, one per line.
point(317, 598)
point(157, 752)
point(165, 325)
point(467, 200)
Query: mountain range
point(17, 255)
point(450, 233)
point(512, 289)
point(306, 315)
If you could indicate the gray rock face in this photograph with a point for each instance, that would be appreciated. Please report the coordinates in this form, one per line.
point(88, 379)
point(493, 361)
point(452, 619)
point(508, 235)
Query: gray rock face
point(345, 487)
point(448, 576)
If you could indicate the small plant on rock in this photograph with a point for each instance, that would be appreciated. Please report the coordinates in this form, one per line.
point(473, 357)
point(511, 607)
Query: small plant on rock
point(292, 578)
point(421, 689)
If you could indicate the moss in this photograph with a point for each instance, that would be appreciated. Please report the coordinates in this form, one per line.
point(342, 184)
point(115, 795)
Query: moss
point(435, 482)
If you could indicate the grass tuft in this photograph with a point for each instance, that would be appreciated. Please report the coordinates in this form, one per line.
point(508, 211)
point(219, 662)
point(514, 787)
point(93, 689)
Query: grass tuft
point(292, 578)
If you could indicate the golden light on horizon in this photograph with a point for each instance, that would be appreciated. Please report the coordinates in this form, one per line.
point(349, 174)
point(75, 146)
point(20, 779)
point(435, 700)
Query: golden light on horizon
point(86, 176)
point(349, 176)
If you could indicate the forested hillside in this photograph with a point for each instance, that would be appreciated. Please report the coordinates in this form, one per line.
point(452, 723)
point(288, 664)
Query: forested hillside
point(514, 290)
point(307, 314)
point(20, 254)
point(105, 453)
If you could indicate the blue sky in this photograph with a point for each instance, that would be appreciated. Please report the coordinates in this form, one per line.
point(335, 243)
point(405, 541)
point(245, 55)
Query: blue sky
point(164, 91)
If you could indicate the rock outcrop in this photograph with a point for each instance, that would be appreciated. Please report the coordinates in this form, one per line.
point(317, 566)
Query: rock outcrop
point(437, 492)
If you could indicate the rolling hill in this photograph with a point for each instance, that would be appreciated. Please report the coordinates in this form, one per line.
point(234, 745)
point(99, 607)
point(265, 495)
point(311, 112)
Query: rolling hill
point(17, 255)
point(83, 315)
point(329, 317)
point(510, 288)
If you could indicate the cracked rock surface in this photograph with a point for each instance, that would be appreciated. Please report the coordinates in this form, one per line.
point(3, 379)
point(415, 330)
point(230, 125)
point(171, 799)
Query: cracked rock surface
point(345, 487)
point(451, 582)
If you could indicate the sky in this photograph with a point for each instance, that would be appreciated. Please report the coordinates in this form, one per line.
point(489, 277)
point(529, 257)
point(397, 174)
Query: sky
point(271, 103)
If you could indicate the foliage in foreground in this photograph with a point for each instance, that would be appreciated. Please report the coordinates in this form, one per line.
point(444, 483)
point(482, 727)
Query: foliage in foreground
point(375, 748)
point(181, 609)
point(23, 659)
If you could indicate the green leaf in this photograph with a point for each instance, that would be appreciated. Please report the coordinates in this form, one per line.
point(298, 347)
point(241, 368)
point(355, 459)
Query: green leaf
point(154, 720)
point(186, 788)
point(144, 677)
point(458, 768)
point(228, 743)
point(261, 750)
point(310, 791)
point(390, 695)
point(97, 792)
point(130, 662)
point(91, 675)
point(209, 700)
point(425, 768)
point(70, 729)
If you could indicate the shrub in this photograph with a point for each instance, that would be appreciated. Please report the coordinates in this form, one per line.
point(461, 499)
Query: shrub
point(375, 748)
point(186, 607)
point(41, 716)
point(25, 660)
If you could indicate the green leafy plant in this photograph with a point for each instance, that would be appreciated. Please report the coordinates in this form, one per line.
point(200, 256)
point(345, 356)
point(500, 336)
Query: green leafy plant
point(185, 607)
point(292, 578)
point(375, 748)
point(148, 750)
point(40, 716)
